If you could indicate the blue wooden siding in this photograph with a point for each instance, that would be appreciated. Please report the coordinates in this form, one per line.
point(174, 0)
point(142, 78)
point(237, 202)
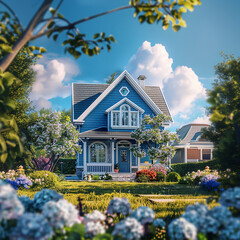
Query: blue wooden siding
point(97, 118)
point(80, 156)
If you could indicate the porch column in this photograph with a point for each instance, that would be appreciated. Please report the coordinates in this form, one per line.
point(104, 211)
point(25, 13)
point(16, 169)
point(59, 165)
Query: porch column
point(85, 156)
point(112, 155)
point(200, 154)
point(138, 158)
point(185, 155)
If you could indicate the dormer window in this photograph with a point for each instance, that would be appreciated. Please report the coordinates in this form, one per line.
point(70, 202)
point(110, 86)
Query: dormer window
point(125, 117)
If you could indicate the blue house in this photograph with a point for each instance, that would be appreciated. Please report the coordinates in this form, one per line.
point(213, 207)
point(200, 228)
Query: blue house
point(105, 116)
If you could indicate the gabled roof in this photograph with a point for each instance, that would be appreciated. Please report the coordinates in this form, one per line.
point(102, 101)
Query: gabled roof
point(85, 97)
point(190, 133)
point(125, 100)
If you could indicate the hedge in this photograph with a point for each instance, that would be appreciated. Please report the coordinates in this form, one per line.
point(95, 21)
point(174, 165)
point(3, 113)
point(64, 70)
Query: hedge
point(184, 168)
point(68, 166)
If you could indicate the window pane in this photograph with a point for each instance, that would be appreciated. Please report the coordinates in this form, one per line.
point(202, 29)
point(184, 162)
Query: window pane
point(125, 118)
point(125, 108)
point(97, 153)
point(134, 119)
point(115, 119)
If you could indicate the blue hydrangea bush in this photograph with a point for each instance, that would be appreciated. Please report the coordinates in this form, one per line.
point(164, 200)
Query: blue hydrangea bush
point(49, 217)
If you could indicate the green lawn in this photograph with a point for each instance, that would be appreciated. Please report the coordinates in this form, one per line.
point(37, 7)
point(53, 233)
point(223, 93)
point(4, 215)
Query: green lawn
point(97, 195)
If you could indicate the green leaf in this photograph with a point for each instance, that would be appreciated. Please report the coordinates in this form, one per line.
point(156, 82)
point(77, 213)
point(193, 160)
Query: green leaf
point(50, 25)
point(52, 10)
point(109, 47)
point(189, 6)
point(3, 39)
point(60, 15)
point(96, 35)
point(142, 19)
point(182, 9)
point(6, 48)
point(42, 50)
point(151, 19)
point(55, 36)
point(176, 27)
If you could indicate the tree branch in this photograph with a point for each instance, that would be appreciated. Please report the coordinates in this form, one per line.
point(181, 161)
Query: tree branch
point(26, 36)
point(51, 19)
point(13, 13)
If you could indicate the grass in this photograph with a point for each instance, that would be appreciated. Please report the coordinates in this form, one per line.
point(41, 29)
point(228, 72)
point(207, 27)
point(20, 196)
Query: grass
point(97, 195)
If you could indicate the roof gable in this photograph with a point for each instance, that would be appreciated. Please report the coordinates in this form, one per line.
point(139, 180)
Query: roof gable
point(133, 83)
point(125, 100)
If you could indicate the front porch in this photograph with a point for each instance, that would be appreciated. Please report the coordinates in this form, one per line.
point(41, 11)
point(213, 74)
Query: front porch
point(101, 150)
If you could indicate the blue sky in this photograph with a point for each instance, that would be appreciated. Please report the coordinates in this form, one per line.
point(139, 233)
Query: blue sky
point(181, 63)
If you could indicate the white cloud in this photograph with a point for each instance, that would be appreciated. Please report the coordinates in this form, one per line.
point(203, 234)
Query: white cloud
point(153, 62)
point(52, 80)
point(41, 103)
point(181, 86)
point(204, 119)
point(184, 116)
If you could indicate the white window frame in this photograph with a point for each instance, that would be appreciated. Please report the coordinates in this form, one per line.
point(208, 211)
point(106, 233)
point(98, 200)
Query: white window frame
point(121, 126)
point(89, 153)
point(126, 93)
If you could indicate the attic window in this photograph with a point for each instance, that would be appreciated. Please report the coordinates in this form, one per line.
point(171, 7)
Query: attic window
point(124, 91)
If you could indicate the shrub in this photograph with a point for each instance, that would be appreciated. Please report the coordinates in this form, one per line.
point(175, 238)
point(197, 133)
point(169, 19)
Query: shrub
point(143, 178)
point(95, 177)
point(48, 179)
point(106, 176)
point(161, 177)
point(173, 177)
point(184, 168)
point(68, 166)
point(151, 174)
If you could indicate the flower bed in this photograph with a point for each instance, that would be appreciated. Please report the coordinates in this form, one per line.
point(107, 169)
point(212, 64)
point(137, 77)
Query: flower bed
point(48, 215)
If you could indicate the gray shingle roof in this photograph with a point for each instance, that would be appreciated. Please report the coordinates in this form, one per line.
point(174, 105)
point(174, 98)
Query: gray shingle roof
point(190, 132)
point(85, 94)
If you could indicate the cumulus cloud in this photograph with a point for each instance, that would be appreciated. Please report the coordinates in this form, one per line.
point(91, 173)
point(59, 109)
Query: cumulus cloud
point(181, 86)
point(52, 80)
point(41, 103)
point(204, 119)
point(153, 62)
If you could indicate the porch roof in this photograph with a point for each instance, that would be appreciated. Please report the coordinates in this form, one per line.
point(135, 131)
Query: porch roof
point(104, 134)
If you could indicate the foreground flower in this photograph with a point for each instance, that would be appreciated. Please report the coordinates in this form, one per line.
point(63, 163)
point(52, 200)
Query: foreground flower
point(143, 215)
point(200, 208)
point(231, 231)
point(27, 203)
point(159, 223)
point(93, 228)
point(180, 229)
point(129, 229)
point(231, 198)
point(60, 214)
point(31, 226)
point(44, 196)
point(10, 206)
point(94, 216)
point(119, 206)
point(221, 214)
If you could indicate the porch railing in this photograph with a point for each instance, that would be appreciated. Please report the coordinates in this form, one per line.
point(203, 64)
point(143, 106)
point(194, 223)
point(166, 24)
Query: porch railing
point(100, 168)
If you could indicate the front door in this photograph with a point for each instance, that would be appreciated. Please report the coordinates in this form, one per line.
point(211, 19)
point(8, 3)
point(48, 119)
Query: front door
point(124, 159)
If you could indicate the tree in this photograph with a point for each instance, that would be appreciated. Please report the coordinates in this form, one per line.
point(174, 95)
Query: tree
point(224, 99)
point(14, 37)
point(56, 135)
point(153, 140)
point(111, 78)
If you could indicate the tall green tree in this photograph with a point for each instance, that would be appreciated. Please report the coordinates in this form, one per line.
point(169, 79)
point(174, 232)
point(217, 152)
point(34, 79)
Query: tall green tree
point(14, 37)
point(224, 100)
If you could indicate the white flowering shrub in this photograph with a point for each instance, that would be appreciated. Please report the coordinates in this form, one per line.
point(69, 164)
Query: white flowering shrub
point(156, 140)
point(56, 135)
point(49, 217)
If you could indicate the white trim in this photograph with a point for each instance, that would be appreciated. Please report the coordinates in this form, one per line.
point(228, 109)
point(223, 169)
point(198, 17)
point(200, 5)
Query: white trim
point(132, 82)
point(84, 156)
point(120, 126)
point(112, 156)
point(123, 101)
point(127, 91)
point(89, 154)
point(130, 157)
point(72, 100)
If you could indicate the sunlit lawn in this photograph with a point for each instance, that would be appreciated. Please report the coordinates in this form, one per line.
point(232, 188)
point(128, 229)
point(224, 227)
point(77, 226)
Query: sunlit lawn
point(97, 195)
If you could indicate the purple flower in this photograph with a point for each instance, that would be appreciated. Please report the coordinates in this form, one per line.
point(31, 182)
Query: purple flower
point(23, 181)
point(12, 183)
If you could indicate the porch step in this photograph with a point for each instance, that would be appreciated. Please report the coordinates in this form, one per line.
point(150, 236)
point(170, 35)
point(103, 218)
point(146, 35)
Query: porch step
point(123, 177)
